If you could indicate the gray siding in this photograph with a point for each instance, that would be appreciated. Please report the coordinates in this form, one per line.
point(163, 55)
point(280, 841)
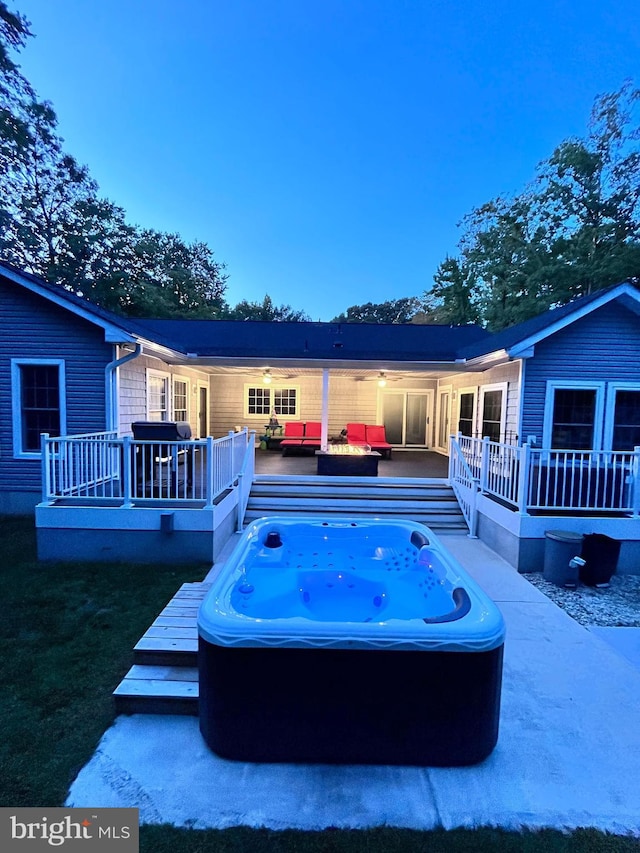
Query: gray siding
point(32, 327)
point(132, 393)
point(601, 347)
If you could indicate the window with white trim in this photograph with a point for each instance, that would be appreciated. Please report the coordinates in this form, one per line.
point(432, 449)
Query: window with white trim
point(574, 415)
point(467, 411)
point(157, 396)
point(625, 427)
point(261, 401)
point(574, 411)
point(493, 411)
point(38, 398)
point(180, 399)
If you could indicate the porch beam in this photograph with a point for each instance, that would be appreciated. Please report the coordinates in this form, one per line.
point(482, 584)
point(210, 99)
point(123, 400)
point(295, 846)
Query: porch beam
point(324, 422)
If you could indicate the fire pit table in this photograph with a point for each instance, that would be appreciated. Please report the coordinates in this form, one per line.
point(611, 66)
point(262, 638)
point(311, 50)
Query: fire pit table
point(348, 460)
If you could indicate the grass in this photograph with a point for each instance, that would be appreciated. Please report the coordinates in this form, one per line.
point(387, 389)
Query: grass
point(66, 635)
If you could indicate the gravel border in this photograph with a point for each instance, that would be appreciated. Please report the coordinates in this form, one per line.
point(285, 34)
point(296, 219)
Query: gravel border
point(617, 605)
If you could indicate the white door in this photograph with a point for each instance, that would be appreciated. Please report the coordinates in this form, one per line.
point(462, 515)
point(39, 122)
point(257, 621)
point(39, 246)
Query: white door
point(443, 430)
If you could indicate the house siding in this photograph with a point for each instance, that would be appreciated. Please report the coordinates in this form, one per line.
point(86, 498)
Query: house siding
point(32, 327)
point(604, 346)
point(504, 373)
point(350, 400)
point(132, 383)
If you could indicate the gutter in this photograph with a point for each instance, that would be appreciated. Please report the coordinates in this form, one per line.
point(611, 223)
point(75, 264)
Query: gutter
point(110, 396)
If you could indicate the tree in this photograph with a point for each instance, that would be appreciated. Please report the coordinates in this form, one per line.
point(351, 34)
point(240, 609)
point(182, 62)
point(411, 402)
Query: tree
point(451, 299)
point(265, 310)
point(573, 230)
point(394, 311)
point(53, 222)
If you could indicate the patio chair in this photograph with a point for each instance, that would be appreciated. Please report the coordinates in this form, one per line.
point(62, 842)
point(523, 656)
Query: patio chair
point(357, 434)
point(377, 440)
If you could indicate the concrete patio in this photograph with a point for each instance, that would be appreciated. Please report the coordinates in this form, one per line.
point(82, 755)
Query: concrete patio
point(568, 754)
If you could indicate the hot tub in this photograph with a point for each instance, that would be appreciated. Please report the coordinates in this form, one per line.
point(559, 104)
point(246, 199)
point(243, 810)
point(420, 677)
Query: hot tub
point(348, 641)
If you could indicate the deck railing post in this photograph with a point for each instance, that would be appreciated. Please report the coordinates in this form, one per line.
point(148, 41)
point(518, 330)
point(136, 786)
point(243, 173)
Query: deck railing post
point(635, 495)
point(209, 475)
point(46, 468)
point(127, 454)
point(485, 456)
point(523, 478)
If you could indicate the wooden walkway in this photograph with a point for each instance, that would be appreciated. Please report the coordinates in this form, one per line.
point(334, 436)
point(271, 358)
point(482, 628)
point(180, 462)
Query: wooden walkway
point(164, 676)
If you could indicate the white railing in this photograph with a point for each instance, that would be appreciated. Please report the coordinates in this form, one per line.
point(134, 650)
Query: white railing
point(579, 479)
point(122, 471)
point(531, 479)
point(465, 485)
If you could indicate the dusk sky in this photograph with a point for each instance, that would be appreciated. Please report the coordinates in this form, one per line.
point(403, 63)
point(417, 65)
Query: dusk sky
point(324, 150)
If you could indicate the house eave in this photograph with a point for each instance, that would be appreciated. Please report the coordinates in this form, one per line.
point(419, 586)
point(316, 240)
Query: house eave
point(380, 363)
point(489, 359)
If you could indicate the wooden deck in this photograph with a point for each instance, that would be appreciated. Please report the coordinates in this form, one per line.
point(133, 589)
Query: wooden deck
point(164, 677)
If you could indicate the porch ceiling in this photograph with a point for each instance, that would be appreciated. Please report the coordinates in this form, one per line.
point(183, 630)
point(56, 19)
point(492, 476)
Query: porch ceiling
point(281, 373)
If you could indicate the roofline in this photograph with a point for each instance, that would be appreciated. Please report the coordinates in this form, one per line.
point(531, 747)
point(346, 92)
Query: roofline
point(524, 348)
point(609, 295)
point(113, 334)
point(381, 363)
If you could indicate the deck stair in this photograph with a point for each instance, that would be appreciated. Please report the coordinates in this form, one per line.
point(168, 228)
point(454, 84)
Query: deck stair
point(164, 675)
point(428, 501)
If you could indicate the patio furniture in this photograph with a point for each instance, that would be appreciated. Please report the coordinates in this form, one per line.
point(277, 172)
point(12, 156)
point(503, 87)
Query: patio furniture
point(371, 434)
point(300, 435)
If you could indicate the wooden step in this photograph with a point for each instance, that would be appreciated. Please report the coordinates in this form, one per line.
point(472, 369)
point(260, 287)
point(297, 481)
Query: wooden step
point(158, 690)
point(172, 639)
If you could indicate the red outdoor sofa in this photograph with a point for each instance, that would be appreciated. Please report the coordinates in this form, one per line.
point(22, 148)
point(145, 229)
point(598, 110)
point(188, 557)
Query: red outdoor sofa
point(371, 434)
point(301, 436)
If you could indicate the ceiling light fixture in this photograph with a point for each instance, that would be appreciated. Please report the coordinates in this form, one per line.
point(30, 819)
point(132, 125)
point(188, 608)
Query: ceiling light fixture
point(382, 379)
point(266, 377)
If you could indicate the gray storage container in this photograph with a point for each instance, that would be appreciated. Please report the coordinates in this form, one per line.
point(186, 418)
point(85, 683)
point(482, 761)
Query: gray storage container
point(560, 547)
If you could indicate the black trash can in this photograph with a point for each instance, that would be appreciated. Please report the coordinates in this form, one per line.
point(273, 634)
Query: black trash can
point(560, 547)
point(600, 554)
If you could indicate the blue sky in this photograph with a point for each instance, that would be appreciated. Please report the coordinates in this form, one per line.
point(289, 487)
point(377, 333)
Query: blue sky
point(325, 150)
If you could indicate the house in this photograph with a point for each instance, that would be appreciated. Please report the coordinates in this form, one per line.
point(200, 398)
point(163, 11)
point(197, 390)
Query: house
point(540, 420)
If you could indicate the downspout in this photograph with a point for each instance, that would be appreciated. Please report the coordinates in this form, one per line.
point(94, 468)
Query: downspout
point(110, 395)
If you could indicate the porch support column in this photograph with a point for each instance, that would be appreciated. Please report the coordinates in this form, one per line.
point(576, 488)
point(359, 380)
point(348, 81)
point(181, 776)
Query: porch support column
point(324, 431)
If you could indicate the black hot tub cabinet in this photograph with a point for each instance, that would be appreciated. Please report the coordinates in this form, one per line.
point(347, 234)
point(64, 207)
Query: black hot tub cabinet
point(348, 641)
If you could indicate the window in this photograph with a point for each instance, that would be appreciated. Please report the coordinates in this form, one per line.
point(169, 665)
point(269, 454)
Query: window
point(467, 412)
point(285, 401)
point(574, 415)
point(574, 411)
point(260, 401)
point(493, 412)
point(626, 420)
point(157, 396)
point(38, 402)
point(180, 399)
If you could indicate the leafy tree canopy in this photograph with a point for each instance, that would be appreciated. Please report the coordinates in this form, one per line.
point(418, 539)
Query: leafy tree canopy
point(54, 223)
point(265, 310)
point(575, 229)
point(404, 310)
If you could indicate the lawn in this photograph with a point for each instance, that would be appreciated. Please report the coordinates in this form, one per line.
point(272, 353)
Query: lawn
point(66, 636)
